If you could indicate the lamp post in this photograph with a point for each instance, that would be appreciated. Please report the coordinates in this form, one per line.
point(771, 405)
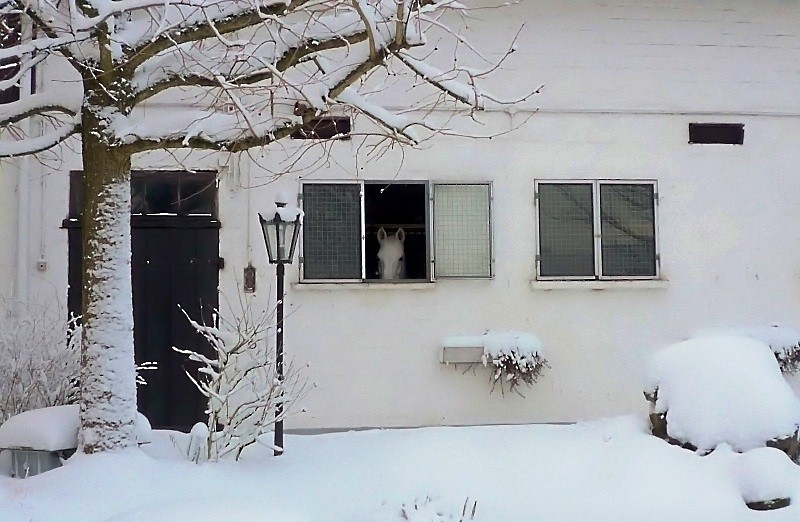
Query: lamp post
point(284, 225)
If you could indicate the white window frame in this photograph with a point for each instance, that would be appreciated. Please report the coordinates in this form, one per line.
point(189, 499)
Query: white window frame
point(430, 187)
point(596, 229)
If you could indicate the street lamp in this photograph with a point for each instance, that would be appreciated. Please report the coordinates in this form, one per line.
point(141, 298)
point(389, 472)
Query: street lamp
point(284, 225)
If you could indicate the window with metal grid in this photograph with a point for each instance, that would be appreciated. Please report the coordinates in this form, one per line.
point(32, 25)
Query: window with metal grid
point(627, 224)
point(566, 217)
point(579, 220)
point(462, 233)
point(332, 231)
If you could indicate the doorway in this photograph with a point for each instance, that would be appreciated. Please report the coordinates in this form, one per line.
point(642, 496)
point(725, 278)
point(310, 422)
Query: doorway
point(175, 268)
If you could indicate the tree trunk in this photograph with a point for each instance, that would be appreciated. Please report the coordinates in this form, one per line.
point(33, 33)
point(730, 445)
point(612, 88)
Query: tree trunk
point(108, 373)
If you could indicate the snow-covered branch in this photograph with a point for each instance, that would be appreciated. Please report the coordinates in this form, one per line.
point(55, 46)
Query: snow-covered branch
point(32, 145)
point(253, 70)
point(224, 21)
point(38, 104)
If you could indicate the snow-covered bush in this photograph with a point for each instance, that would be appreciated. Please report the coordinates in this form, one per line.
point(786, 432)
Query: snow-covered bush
point(241, 384)
point(720, 389)
point(784, 342)
point(39, 361)
point(515, 358)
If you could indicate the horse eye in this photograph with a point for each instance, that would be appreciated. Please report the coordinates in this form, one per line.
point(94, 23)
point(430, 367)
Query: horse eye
point(401, 258)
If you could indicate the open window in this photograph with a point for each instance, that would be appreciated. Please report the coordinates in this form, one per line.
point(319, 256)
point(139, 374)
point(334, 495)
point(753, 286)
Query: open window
point(443, 230)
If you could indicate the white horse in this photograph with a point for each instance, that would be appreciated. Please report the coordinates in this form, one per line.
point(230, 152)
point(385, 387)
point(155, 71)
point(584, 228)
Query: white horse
point(391, 255)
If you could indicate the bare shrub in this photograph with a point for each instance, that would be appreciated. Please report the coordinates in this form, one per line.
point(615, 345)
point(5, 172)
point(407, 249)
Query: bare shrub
point(39, 361)
point(430, 510)
point(241, 384)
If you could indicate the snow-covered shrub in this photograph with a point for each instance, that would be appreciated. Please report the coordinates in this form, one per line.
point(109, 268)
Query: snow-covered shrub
point(784, 342)
point(39, 361)
point(720, 389)
point(515, 358)
point(241, 384)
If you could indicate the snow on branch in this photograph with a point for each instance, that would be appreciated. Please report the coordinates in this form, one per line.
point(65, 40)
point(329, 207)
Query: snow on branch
point(241, 69)
point(36, 105)
point(32, 145)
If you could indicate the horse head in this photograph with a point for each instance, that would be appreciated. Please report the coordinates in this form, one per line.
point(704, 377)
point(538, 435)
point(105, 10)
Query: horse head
point(391, 255)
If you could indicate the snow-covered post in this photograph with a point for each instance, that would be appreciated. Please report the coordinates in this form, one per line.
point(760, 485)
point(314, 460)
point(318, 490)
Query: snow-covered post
point(285, 223)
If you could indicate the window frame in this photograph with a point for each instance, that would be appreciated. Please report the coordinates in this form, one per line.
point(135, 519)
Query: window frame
point(597, 229)
point(430, 255)
point(432, 223)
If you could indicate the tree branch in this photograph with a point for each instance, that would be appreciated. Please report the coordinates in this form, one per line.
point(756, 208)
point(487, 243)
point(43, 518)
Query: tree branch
point(10, 149)
point(209, 29)
point(22, 109)
point(289, 59)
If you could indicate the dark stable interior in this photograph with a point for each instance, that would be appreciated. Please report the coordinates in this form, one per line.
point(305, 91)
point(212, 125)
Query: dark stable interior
point(394, 205)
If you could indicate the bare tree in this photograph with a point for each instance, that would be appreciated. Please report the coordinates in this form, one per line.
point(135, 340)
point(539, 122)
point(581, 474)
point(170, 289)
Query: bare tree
point(251, 72)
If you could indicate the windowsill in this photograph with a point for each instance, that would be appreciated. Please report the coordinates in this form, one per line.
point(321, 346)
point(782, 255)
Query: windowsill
point(359, 285)
point(616, 284)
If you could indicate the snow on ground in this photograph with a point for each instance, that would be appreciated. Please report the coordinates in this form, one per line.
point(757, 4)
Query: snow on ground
point(608, 470)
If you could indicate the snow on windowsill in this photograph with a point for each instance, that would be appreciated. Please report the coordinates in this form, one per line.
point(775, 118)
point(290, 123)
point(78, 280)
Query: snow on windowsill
point(610, 284)
point(358, 285)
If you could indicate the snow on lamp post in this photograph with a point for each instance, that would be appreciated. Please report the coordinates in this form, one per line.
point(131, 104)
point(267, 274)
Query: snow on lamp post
point(280, 235)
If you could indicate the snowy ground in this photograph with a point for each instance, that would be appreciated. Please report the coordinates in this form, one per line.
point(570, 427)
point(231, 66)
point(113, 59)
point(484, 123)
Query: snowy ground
point(608, 470)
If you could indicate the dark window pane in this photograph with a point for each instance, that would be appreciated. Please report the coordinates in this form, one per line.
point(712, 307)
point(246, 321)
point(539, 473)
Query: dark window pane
point(76, 196)
point(324, 128)
point(138, 203)
point(198, 195)
point(332, 231)
point(566, 241)
point(161, 195)
point(627, 223)
point(10, 31)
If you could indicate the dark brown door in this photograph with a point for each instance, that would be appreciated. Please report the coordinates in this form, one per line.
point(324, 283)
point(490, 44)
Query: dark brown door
point(175, 268)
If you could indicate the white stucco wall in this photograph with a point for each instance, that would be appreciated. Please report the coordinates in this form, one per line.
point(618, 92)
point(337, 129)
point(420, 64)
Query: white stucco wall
point(623, 82)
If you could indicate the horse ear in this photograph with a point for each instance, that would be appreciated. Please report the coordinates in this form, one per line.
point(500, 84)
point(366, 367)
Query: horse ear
point(381, 235)
point(401, 234)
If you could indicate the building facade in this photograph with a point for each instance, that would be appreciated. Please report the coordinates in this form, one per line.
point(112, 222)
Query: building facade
point(646, 193)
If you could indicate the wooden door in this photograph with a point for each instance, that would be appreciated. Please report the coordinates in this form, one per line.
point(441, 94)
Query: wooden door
point(175, 268)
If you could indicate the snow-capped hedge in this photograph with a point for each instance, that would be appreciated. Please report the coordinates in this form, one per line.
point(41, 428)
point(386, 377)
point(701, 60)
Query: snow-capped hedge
point(722, 389)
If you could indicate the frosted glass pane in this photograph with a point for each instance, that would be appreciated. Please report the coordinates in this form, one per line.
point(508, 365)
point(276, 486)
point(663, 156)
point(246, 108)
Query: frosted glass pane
point(461, 230)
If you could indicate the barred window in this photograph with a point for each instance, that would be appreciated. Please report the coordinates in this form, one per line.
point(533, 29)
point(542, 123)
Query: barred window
point(597, 230)
point(443, 230)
